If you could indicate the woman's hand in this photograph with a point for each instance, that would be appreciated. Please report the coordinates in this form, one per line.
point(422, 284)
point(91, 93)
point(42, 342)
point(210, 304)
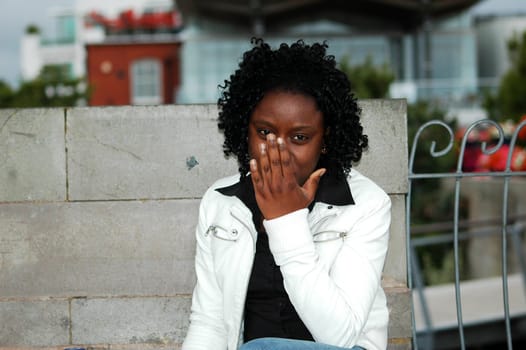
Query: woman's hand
point(275, 185)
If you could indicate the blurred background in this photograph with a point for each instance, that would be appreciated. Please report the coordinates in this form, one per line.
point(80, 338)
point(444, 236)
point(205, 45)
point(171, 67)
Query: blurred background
point(456, 61)
point(452, 53)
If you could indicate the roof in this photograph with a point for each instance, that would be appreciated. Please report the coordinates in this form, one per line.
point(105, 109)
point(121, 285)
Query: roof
point(403, 15)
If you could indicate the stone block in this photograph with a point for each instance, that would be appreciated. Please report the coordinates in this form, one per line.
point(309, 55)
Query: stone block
point(399, 304)
point(385, 162)
point(97, 248)
point(144, 152)
point(395, 266)
point(32, 155)
point(34, 323)
point(175, 151)
point(400, 344)
point(155, 320)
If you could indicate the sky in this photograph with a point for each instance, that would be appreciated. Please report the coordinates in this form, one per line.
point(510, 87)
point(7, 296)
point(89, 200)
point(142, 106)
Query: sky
point(16, 15)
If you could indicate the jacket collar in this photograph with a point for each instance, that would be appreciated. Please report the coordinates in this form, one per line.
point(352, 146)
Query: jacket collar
point(333, 190)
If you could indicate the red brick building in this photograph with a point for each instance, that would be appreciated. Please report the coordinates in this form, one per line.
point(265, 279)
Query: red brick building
point(133, 71)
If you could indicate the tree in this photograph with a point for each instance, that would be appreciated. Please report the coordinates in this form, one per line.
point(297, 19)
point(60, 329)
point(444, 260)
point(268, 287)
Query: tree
point(6, 94)
point(368, 80)
point(52, 88)
point(32, 29)
point(509, 102)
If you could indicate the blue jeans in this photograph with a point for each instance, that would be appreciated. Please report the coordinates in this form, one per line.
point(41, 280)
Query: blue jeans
point(290, 344)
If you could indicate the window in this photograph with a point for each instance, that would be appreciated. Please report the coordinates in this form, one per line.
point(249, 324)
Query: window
point(66, 28)
point(146, 82)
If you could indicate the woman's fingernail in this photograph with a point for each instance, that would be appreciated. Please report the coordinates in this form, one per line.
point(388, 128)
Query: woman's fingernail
point(253, 164)
point(281, 144)
point(262, 148)
point(271, 137)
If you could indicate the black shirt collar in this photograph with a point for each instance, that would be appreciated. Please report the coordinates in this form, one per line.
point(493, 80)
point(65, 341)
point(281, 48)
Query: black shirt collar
point(332, 189)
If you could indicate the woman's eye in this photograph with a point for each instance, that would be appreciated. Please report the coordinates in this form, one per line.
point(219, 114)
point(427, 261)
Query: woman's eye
point(300, 138)
point(263, 132)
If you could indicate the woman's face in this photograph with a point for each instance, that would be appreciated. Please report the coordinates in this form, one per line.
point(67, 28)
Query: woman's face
point(295, 118)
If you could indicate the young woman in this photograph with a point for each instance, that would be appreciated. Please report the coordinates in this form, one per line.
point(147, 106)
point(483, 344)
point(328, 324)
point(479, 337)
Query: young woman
point(290, 251)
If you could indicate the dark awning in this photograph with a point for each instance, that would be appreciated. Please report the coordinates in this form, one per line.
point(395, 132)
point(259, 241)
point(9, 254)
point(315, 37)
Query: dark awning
point(403, 15)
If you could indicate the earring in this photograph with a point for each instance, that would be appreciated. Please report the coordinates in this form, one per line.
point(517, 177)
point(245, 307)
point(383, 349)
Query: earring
point(324, 149)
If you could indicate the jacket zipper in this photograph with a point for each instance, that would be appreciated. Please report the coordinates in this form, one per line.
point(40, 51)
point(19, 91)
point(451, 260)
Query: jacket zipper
point(332, 235)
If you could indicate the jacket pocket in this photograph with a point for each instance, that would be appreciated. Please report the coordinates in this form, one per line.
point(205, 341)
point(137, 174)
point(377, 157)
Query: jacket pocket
point(328, 236)
point(328, 244)
point(223, 233)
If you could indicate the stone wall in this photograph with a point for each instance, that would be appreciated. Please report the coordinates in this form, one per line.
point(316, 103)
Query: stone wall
point(97, 215)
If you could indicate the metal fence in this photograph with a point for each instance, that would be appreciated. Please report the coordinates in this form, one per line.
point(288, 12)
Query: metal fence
point(509, 227)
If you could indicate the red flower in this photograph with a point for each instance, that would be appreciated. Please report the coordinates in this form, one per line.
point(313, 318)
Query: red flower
point(497, 161)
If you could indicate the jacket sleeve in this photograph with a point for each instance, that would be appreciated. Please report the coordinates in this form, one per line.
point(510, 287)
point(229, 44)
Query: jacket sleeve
point(206, 330)
point(334, 304)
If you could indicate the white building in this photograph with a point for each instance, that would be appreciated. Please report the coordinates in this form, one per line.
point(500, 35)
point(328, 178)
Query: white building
point(493, 35)
point(66, 49)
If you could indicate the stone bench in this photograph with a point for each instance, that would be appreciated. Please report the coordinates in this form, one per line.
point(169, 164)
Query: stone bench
point(97, 214)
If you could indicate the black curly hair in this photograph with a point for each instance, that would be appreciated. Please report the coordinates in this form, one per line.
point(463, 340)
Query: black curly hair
point(299, 68)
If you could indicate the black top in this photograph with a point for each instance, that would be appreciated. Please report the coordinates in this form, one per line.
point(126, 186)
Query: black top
point(268, 309)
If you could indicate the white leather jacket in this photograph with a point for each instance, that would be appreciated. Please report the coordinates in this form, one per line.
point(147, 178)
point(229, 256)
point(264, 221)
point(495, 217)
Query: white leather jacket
point(331, 259)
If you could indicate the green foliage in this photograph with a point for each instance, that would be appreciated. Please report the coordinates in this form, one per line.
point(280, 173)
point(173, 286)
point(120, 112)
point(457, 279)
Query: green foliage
point(6, 94)
point(439, 263)
point(32, 29)
point(368, 80)
point(490, 104)
point(55, 73)
point(509, 102)
point(52, 88)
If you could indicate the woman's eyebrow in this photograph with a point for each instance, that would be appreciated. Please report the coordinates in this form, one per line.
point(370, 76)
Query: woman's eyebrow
point(299, 127)
point(303, 127)
point(262, 122)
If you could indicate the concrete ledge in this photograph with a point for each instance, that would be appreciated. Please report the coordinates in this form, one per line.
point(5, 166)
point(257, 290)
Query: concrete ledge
point(482, 302)
point(98, 208)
